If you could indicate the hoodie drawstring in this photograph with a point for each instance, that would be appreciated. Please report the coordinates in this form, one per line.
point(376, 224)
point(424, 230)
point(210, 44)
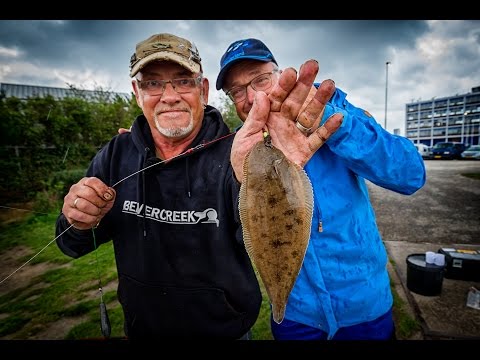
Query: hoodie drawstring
point(187, 179)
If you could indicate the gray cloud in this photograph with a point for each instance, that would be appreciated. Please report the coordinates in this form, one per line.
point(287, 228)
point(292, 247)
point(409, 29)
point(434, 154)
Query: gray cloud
point(428, 58)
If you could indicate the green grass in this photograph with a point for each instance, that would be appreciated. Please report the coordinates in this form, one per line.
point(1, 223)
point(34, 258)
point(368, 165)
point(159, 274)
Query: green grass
point(405, 325)
point(475, 176)
point(261, 329)
point(70, 289)
point(63, 292)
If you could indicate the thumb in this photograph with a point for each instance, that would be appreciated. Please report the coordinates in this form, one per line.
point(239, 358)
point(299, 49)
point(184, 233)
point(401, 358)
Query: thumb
point(258, 115)
point(109, 196)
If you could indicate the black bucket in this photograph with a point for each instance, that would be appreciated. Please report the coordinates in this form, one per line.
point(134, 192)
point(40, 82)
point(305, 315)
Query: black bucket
point(422, 278)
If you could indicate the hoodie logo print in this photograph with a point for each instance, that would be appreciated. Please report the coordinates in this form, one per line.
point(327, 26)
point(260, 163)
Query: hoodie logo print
point(187, 217)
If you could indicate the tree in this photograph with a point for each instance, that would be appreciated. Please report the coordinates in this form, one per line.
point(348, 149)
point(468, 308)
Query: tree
point(229, 114)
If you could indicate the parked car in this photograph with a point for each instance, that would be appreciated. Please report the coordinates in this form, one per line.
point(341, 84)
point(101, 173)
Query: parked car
point(473, 152)
point(424, 150)
point(448, 150)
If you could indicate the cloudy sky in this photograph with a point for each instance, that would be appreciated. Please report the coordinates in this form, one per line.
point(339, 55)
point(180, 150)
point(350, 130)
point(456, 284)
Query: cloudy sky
point(428, 59)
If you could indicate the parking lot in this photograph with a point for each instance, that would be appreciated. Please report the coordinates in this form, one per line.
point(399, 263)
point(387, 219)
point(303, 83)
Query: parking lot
point(444, 213)
point(446, 209)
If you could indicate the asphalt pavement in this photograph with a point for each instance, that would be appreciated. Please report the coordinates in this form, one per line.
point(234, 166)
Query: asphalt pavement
point(445, 213)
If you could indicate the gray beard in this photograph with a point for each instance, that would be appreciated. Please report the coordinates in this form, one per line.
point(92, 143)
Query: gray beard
point(175, 132)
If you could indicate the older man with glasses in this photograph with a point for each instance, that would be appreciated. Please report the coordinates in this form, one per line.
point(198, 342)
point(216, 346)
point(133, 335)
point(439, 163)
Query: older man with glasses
point(343, 289)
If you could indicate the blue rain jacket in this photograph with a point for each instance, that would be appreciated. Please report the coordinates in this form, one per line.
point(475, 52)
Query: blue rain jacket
point(344, 279)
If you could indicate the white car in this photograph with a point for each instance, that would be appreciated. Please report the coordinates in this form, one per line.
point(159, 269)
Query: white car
point(424, 150)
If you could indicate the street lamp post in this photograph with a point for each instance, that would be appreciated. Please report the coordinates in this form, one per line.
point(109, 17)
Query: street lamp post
point(386, 91)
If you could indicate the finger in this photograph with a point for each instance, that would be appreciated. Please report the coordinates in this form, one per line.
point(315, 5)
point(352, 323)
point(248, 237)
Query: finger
point(282, 88)
point(297, 96)
point(70, 199)
point(85, 206)
point(322, 134)
point(83, 215)
point(250, 133)
point(124, 130)
point(99, 192)
point(258, 115)
point(311, 115)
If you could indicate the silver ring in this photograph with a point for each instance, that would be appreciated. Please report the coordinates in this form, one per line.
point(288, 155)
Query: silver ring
point(303, 129)
point(75, 202)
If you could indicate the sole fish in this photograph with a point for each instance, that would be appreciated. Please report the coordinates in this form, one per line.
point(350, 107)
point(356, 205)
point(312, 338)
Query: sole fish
point(276, 208)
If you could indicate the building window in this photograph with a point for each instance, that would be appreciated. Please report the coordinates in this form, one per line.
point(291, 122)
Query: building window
point(455, 130)
point(439, 132)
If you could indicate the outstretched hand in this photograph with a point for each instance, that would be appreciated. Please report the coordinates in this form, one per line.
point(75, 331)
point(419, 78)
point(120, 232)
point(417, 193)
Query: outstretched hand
point(299, 136)
point(291, 100)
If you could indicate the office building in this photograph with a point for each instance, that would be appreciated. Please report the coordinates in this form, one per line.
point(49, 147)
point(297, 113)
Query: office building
point(453, 118)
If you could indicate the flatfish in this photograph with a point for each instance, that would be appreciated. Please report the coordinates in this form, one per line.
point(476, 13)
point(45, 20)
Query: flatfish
point(276, 208)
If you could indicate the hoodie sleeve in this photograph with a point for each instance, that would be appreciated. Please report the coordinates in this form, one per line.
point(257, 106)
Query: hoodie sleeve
point(73, 242)
point(387, 160)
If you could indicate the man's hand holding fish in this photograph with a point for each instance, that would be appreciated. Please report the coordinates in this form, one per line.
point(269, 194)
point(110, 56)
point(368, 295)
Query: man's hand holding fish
point(292, 106)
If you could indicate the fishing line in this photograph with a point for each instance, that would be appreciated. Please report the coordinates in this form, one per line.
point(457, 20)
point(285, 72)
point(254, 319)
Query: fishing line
point(125, 178)
point(186, 152)
point(104, 319)
point(63, 232)
point(14, 208)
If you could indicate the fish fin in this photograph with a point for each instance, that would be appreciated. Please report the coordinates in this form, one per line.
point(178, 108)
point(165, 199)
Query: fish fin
point(248, 244)
point(242, 197)
point(308, 198)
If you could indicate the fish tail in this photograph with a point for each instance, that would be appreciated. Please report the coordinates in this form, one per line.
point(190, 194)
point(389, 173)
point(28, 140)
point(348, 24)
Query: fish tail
point(278, 313)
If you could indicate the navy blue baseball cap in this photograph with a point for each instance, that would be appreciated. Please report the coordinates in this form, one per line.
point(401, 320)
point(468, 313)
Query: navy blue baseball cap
point(243, 49)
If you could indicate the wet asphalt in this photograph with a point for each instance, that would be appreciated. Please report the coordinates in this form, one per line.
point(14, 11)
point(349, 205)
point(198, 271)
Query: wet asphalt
point(445, 210)
point(444, 213)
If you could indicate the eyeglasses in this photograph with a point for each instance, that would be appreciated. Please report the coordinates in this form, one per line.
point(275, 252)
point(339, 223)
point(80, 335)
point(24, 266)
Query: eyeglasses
point(260, 83)
point(157, 87)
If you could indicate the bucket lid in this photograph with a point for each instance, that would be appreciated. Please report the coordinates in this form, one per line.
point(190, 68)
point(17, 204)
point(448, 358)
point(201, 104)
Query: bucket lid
point(418, 261)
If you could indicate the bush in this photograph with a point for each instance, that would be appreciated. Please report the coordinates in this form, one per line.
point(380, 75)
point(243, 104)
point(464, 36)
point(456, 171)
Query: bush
point(50, 199)
point(42, 135)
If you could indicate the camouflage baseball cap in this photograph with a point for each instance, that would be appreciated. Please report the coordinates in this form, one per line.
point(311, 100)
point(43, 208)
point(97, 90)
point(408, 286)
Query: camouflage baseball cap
point(165, 47)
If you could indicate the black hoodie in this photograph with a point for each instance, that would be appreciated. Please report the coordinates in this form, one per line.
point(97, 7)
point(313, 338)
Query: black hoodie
point(182, 266)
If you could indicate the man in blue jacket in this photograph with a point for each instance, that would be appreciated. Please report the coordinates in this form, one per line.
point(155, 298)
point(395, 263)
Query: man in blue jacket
point(343, 288)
